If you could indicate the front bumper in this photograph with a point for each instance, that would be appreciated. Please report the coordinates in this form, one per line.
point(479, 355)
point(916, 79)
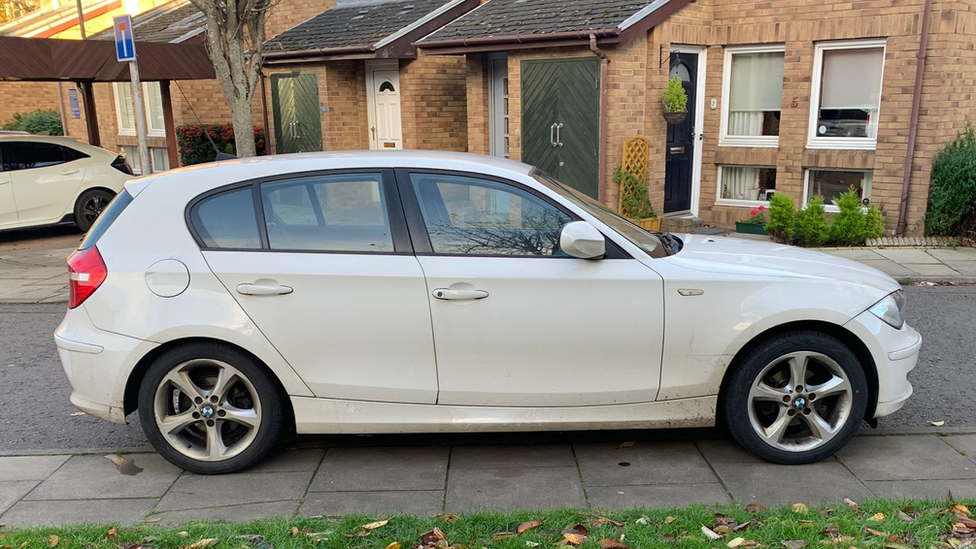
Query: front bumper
point(97, 364)
point(895, 353)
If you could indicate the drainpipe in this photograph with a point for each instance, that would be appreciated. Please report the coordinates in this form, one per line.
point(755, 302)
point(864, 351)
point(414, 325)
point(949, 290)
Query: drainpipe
point(604, 74)
point(923, 47)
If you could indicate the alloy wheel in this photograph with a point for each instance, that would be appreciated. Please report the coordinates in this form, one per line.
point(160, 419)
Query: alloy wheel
point(207, 410)
point(92, 208)
point(800, 401)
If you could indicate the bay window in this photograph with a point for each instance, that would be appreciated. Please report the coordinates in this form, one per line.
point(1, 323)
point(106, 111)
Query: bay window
point(846, 94)
point(831, 183)
point(745, 185)
point(752, 96)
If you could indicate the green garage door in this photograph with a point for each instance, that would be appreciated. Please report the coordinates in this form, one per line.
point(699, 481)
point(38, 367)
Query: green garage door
point(561, 119)
point(295, 105)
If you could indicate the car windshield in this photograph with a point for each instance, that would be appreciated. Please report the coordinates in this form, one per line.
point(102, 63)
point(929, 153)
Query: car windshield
point(651, 243)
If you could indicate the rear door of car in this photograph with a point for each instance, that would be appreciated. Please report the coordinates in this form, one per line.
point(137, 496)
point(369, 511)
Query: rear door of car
point(8, 208)
point(323, 265)
point(45, 179)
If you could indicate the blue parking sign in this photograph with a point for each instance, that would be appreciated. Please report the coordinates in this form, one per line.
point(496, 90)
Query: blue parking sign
point(125, 44)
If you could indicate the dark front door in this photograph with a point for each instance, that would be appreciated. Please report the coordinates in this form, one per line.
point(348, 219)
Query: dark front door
point(561, 120)
point(295, 104)
point(680, 151)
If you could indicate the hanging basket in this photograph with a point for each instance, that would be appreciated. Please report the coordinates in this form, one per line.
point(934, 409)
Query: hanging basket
point(675, 118)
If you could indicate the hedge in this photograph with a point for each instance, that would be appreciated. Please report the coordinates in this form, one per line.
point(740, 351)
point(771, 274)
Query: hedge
point(195, 148)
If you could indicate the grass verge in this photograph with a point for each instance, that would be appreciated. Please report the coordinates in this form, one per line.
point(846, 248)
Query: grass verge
point(877, 524)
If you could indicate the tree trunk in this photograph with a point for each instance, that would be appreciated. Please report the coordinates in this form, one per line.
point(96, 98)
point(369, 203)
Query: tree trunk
point(244, 129)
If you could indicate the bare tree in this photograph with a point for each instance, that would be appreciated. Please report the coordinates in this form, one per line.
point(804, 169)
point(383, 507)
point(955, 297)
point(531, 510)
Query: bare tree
point(235, 33)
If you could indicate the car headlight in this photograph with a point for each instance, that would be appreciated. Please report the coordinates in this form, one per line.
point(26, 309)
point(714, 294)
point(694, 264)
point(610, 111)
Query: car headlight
point(891, 309)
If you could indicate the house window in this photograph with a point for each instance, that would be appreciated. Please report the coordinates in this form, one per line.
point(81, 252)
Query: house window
point(830, 183)
point(153, 102)
point(159, 157)
point(752, 96)
point(745, 185)
point(846, 95)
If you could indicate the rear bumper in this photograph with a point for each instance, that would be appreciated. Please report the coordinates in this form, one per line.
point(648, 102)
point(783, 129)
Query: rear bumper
point(895, 353)
point(97, 364)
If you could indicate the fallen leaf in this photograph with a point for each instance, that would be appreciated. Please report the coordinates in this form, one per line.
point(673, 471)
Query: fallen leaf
point(294, 531)
point(745, 525)
point(937, 423)
point(112, 534)
point(805, 523)
point(394, 545)
point(574, 538)
point(52, 540)
point(960, 510)
point(832, 531)
point(76, 414)
point(627, 444)
point(755, 507)
point(874, 532)
point(22, 545)
point(904, 516)
point(709, 533)
point(877, 517)
point(531, 543)
point(795, 543)
point(502, 536)
point(375, 525)
point(669, 520)
point(605, 520)
point(736, 543)
point(608, 543)
point(643, 520)
point(852, 504)
point(578, 529)
point(450, 518)
point(435, 536)
point(800, 508)
point(361, 534)
point(526, 526)
point(183, 534)
point(898, 545)
point(200, 544)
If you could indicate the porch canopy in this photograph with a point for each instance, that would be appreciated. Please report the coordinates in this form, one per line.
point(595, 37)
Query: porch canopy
point(88, 61)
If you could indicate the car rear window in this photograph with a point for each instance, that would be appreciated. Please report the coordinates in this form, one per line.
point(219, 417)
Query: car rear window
point(227, 220)
point(105, 220)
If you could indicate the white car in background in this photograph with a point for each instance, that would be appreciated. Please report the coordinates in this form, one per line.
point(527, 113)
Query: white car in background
point(47, 179)
point(396, 292)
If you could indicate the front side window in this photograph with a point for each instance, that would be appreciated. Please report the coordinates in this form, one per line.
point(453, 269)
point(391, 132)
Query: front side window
point(846, 95)
point(152, 101)
point(753, 95)
point(227, 220)
point(746, 183)
point(27, 156)
point(831, 183)
point(336, 213)
point(470, 216)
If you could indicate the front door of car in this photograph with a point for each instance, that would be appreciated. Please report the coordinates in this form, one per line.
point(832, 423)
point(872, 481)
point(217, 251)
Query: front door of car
point(516, 321)
point(45, 180)
point(327, 274)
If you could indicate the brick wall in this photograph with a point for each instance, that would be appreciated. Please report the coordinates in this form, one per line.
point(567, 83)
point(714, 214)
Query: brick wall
point(433, 101)
point(26, 97)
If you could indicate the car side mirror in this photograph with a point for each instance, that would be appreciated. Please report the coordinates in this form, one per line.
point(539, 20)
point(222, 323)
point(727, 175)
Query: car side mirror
point(581, 240)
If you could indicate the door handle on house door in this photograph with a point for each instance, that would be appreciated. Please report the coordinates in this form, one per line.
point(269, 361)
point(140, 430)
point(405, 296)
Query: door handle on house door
point(559, 138)
point(459, 295)
point(373, 129)
point(552, 134)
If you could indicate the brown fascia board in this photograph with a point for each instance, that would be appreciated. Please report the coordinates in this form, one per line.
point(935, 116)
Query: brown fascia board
point(654, 19)
point(314, 53)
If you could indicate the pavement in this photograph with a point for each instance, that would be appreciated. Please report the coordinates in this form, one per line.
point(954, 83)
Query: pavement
point(427, 480)
point(32, 264)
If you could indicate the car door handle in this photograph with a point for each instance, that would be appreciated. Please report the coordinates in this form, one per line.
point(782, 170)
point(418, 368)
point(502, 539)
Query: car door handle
point(459, 295)
point(263, 289)
point(68, 172)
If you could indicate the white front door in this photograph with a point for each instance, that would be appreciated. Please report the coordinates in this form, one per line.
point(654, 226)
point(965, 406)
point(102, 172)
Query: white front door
point(45, 179)
point(383, 98)
point(335, 288)
point(516, 321)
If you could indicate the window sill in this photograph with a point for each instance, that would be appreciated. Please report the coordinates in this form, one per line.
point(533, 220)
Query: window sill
point(843, 143)
point(741, 203)
point(127, 133)
point(748, 142)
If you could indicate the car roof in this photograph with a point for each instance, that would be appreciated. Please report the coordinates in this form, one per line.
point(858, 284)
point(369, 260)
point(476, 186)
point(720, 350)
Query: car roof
point(67, 141)
point(405, 158)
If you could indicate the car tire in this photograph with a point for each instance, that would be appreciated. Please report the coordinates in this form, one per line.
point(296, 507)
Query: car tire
point(782, 421)
point(89, 206)
point(211, 409)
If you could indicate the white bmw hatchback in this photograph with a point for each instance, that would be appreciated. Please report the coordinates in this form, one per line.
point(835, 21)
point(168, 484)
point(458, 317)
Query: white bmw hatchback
point(395, 292)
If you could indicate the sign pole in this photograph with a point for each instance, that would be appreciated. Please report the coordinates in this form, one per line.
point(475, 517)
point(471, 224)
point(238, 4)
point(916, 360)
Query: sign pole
point(137, 106)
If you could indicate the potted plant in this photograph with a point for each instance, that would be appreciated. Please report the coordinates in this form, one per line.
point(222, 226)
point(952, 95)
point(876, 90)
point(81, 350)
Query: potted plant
point(755, 224)
point(675, 101)
point(634, 203)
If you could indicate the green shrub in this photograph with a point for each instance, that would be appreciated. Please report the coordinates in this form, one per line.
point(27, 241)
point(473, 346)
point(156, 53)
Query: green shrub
point(195, 148)
point(811, 224)
point(37, 122)
point(675, 98)
point(874, 223)
point(849, 225)
point(952, 194)
point(782, 217)
point(634, 202)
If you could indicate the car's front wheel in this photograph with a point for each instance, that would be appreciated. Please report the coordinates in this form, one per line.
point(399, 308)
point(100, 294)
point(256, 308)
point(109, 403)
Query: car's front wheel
point(210, 409)
point(796, 398)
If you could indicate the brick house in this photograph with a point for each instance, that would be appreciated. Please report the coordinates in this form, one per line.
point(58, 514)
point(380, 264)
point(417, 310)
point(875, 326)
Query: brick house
point(804, 97)
point(349, 78)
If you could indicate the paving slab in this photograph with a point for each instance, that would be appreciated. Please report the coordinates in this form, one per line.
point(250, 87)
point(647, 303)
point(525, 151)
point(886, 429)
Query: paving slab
point(905, 458)
point(29, 467)
point(888, 267)
point(381, 469)
point(291, 461)
point(202, 491)
point(58, 513)
point(95, 477)
point(236, 513)
point(931, 270)
point(500, 457)
point(907, 256)
point(916, 489)
point(663, 495)
point(642, 463)
point(414, 502)
point(12, 490)
point(856, 254)
point(964, 444)
point(750, 479)
point(965, 268)
point(953, 254)
point(517, 488)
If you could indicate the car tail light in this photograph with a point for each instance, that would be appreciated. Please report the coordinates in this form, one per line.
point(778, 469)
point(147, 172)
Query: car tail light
point(86, 272)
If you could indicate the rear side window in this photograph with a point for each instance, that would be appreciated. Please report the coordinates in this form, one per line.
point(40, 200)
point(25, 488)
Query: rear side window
point(26, 156)
point(72, 154)
point(227, 220)
point(106, 218)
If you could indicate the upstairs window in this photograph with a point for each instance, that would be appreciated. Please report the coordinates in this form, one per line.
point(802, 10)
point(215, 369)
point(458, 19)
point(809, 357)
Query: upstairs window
point(752, 96)
point(846, 95)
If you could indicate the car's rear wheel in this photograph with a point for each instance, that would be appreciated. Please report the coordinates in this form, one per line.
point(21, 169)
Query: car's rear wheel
point(89, 206)
point(796, 398)
point(210, 409)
